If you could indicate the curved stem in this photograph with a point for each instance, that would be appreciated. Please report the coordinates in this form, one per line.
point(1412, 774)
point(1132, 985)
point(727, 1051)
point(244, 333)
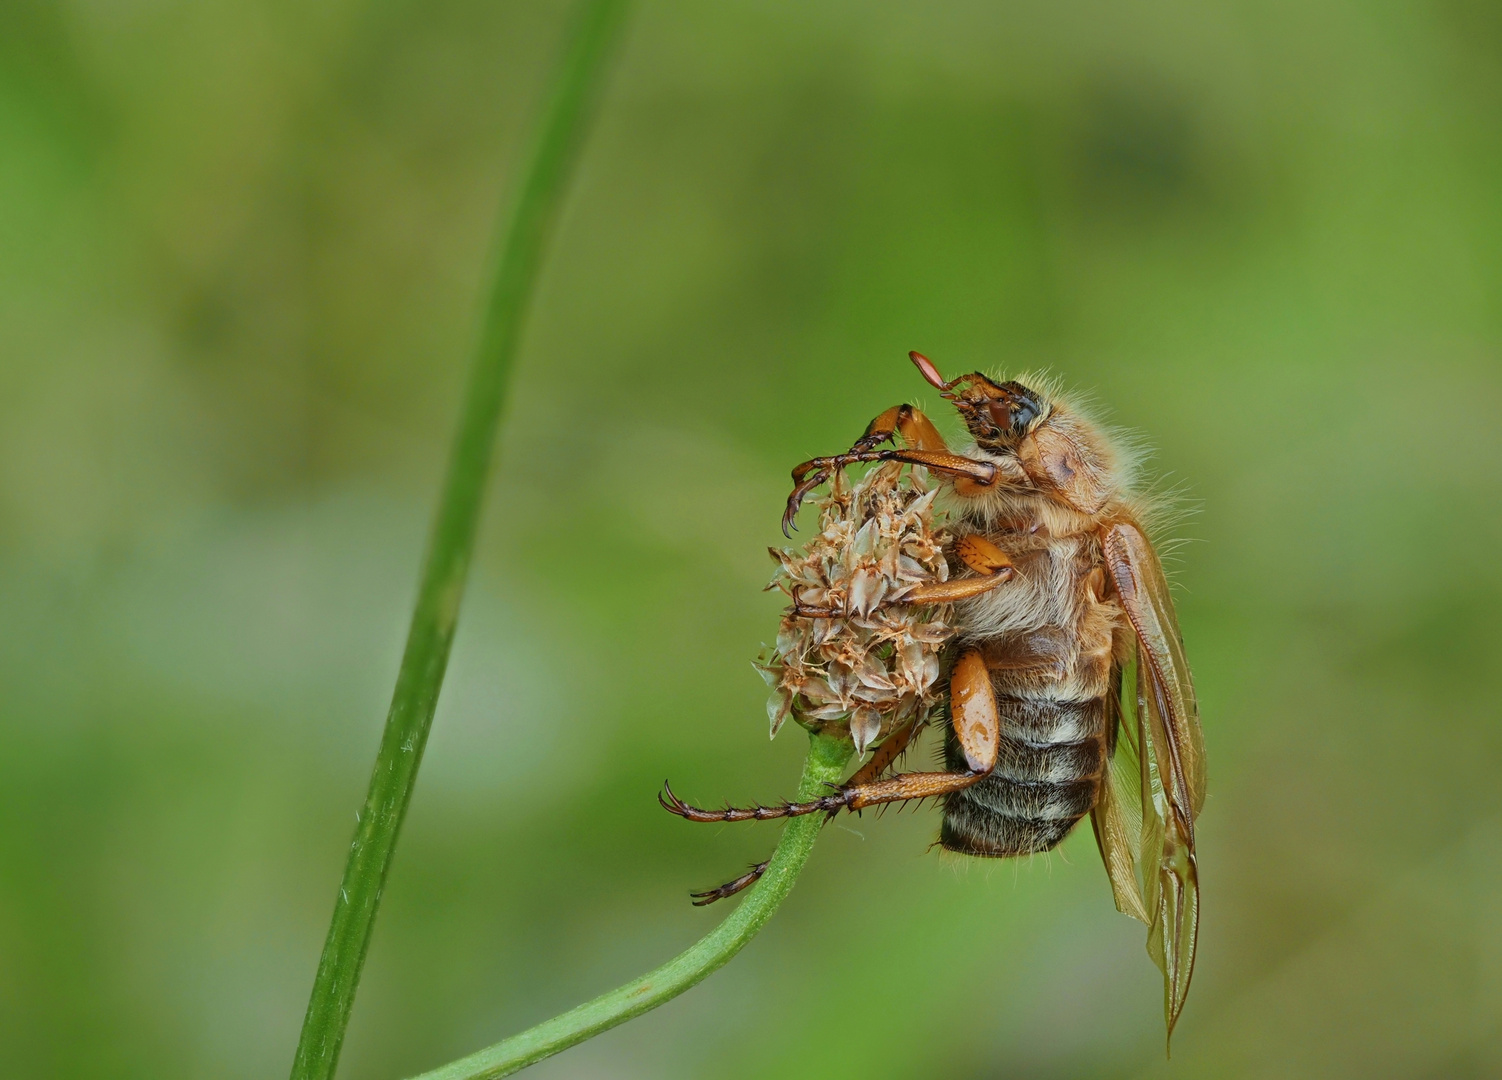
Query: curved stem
point(825, 765)
point(451, 544)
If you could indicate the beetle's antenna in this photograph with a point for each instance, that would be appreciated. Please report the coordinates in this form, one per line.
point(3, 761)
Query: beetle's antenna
point(931, 373)
point(927, 369)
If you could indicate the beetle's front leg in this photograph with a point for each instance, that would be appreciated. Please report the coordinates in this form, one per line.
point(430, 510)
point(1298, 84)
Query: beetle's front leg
point(916, 430)
point(924, 446)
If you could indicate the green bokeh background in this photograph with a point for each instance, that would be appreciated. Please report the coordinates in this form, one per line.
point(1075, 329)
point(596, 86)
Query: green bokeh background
point(242, 244)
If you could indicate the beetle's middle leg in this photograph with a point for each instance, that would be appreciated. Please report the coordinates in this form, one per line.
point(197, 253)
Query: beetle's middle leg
point(977, 726)
point(992, 566)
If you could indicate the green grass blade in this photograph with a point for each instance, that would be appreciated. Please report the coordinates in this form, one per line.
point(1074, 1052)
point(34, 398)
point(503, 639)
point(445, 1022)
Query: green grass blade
point(825, 765)
point(452, 540)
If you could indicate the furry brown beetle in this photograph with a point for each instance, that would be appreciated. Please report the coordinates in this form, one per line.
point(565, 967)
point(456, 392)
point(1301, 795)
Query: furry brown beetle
point(1065, 687)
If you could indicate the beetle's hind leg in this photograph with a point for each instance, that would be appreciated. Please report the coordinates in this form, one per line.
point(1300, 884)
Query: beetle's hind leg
point(976, 723)
point(902, 788)
point(730, 888)
point(881, 759)
point(884, 755)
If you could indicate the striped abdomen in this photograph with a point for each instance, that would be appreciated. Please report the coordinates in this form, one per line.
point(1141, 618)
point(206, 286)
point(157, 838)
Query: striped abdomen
point(1047, 777)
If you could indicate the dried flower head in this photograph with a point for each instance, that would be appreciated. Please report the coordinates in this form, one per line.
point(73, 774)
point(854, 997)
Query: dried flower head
point(850, 655)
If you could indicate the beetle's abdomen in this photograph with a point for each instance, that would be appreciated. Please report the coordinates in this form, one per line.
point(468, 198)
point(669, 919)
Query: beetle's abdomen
point(1047, 777)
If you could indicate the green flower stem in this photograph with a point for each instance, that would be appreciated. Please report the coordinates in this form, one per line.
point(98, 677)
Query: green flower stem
point(826, 762)
point(452, 541)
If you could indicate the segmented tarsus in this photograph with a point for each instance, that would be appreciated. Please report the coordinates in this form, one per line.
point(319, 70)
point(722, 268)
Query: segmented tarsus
point(825, 803)
point(730, 888)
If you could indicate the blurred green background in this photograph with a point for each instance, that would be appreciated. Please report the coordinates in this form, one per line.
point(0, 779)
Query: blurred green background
point(241, 248)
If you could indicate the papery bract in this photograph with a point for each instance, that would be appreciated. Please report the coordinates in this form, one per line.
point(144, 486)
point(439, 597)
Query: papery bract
point(871, 663)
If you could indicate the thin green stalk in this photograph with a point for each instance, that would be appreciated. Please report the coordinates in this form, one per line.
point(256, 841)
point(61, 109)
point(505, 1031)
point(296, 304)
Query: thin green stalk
point(826, 762)
point(452, 540)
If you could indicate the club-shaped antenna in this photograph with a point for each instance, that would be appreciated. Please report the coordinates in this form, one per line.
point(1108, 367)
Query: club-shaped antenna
point(926, 368)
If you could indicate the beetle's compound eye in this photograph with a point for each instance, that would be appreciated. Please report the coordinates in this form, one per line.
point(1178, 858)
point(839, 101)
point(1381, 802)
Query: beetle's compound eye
point(1018, 409)
point(1013, 409)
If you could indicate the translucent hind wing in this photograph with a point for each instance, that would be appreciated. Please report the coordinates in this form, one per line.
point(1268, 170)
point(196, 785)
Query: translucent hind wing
point(1164, 669)
point(1171, 760)
point(1113, 834)
point(1117, 819)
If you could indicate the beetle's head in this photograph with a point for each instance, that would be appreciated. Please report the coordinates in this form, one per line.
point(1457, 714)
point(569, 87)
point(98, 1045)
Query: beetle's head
point(999, 416)
point(1061, 453)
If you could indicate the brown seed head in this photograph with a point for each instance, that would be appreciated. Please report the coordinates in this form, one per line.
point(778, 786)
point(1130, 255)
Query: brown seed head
point(851, 657)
